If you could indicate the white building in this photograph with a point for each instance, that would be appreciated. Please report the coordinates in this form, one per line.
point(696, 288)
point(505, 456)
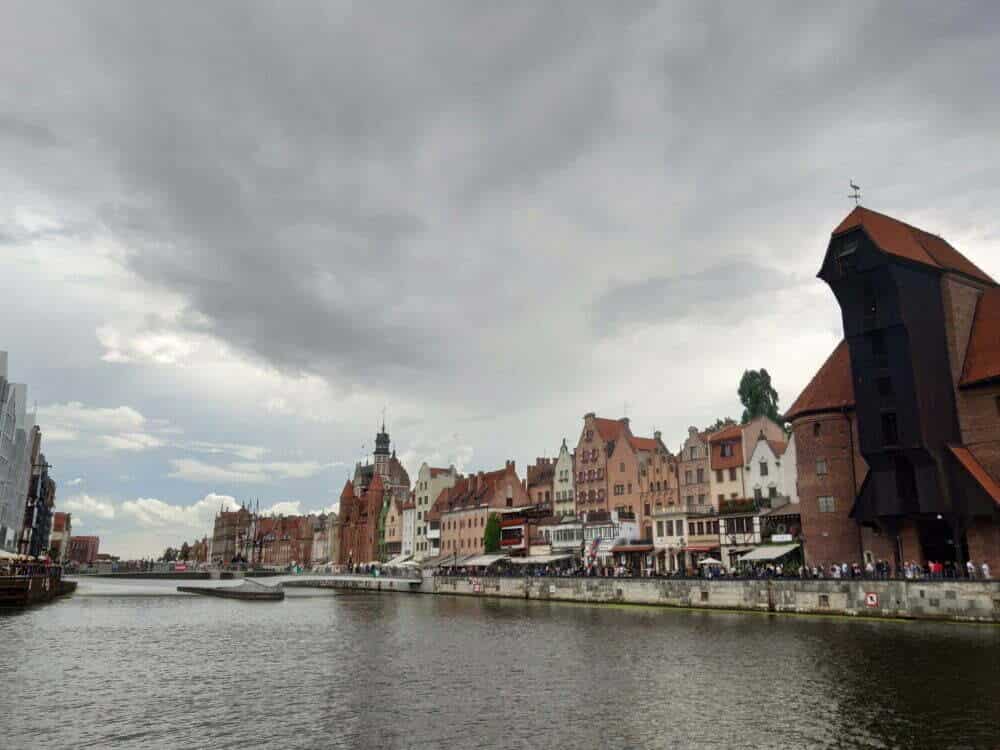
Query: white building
point(669, 534)
point(15, 456)
point(409, 527)
point(430, 482)
point(770, 470)
point(563, 493)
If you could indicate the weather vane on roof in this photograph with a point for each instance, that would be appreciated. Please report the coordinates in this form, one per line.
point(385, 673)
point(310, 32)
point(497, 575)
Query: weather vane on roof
point(856, 194)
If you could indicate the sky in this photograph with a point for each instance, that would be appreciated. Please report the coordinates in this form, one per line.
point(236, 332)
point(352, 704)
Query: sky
point(231, 234)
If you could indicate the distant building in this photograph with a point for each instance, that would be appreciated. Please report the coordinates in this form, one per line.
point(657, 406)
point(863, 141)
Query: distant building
point(359, 522)
point(693, 467)
point(83, 550)
point(563, 483)
point(409, 526)
point(17, 438)
point(462, 510)
point(430, 482)
point(539, 479)
point(231, 536)
point(286, 541)
point(62, 532)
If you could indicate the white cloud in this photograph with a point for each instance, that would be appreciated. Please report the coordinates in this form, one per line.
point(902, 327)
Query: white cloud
point(120, 428)
point(283, 508)
point(240, 450)
point(75, 482)
point(157, 347)
point(191, 469)
point(89, 506)
point(133, 441)
point(149, 512)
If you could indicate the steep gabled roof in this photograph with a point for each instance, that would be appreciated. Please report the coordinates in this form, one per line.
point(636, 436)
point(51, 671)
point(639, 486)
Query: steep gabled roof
point(897, 238)
point(972, 465)
point(643, 444)
point(831, 389)
point(982, 358)
point(778, 447)
point(609, 429)
point(732, 432)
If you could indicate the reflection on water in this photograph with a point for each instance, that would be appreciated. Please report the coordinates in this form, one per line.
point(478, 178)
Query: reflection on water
point(134, 664)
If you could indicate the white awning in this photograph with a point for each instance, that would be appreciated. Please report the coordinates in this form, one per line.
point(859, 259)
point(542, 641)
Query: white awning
point(537, 559)
point(482, 561)
point(397, 560)
point(770, 552)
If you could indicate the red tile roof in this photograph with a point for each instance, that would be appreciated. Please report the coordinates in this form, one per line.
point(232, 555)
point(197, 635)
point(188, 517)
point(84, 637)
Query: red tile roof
point(831, 389)
point(778, 447)
point(904, 241)
point(436, 472)
point(643, 444)
point(977, 471)
point(732, 432)
point(982, 358)
point(348, 490)
point(609, 429)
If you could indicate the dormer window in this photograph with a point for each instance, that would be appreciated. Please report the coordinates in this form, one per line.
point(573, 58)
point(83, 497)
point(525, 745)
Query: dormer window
point(847, 257)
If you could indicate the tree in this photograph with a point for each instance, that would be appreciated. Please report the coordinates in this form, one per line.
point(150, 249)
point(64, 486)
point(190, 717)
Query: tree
point(720, 423)
point(758, 396)
point(169, 554)
point(491, 534)
point(185, 552)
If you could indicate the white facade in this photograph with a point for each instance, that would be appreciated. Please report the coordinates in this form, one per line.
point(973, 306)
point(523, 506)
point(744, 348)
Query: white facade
point(430, 483)
point(15, 456)
point(669, 532)
point(769, 474)
point(563, 485)
point(409, 529)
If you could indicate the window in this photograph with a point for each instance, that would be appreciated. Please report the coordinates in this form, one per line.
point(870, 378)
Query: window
point(718, 475)
point(670, 528)
point(687, 477)
point(732, 475)
point(630, 488)
point(816, 428)
point(821, 467)
point(727, 450)
point(646, 509)
point(701, 528)
point(701, 476)
point(721, 497)
point(890, 433)
point(757, 494)
point(847, 256)
point(621, 466)
point(772, 491)
point(884, 386)
point(690, 499)
point(826, 504)
point(691, 528)
point(694, 452)
point(659, 528)
point(763, 468)
point(701, 499)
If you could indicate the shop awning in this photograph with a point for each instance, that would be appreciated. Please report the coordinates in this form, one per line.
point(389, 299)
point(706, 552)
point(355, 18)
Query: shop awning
point(633, 548)
point(701, 547)
point(482, 561)
point(537, 559)
point(770, 552)
point(397, 560)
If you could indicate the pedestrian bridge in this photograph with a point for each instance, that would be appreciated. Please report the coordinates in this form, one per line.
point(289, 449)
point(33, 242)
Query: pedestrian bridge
point(348, 581)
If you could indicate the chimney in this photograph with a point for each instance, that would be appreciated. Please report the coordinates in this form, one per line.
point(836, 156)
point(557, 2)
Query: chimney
point(658, 435)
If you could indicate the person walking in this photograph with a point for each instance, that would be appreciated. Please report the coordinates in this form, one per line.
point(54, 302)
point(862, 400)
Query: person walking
point(986, 570)
point(970, 568)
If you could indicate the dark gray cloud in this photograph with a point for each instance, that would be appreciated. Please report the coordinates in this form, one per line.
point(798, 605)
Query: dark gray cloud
point(730, 291)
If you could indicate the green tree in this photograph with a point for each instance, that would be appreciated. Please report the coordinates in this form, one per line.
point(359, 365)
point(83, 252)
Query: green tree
point(185, 552)
point(169, 554)
point(720, 423)
point(758, 396)
point(491, 534)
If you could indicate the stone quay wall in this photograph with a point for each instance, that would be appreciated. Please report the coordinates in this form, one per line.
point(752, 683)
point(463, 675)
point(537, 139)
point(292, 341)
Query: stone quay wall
point(961, 601)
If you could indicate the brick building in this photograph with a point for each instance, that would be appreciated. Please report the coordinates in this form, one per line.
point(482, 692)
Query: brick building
point(918, 378)
point(230, 535)
point(62, 532)
point(693, 466)
point(83, 550)
point(540, 478)
point(359, 522)
point(461, 511)
point(285, 540)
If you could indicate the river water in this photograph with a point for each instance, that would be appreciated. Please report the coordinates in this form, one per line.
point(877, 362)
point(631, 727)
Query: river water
point(134, 664)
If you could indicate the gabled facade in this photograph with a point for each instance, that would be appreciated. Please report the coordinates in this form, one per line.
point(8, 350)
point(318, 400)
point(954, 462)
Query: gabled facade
point(597, 442)
point(360, 519)
point(693, 467)
point(430, 482)
point(540, 479)
point(563, 483)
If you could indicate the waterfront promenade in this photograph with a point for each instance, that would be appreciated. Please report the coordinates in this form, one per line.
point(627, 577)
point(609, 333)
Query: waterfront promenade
point(957, 600)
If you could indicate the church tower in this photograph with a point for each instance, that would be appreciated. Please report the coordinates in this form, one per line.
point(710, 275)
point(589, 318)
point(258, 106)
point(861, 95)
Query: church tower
point(382, 454)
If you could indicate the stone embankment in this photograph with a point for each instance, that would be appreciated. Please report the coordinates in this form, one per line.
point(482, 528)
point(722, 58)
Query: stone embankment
point(954, 600)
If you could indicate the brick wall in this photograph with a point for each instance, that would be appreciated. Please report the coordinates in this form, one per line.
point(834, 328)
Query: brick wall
point(829, 537)
point(984, 545)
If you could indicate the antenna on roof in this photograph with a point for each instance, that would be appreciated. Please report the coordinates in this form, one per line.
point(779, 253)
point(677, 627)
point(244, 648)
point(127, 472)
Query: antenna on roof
point(856, 194)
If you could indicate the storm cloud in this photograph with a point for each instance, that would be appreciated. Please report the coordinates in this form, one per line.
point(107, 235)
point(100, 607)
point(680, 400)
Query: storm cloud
point(261, 223)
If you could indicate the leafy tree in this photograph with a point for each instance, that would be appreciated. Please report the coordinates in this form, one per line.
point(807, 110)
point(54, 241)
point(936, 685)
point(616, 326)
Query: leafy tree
point(720, 423)
point(758, 396)
point(185, 552)
point(491, 534)
point(169, 554)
